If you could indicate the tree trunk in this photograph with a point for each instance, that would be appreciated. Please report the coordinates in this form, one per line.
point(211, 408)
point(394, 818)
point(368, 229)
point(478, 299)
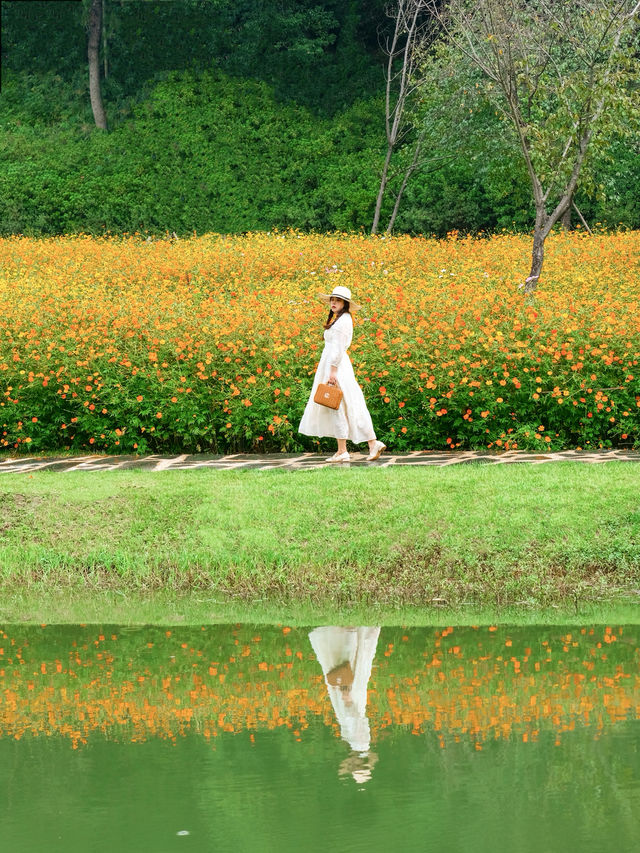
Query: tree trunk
point(537, 259)
point(565, 220)
point(396, 206)
point(409, 171)
point(105, 51)
point(383, 184)
point(582, 219)
point(95, 25)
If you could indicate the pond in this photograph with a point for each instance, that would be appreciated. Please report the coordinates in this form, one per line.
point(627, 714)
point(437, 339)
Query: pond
point(260, 738)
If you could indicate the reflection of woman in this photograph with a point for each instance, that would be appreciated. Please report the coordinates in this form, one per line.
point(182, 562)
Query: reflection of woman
point(346, 657)
point(352, 419)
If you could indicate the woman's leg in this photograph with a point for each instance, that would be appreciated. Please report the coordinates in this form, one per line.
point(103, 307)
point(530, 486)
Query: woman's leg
point(341, 451)
point(342, 428)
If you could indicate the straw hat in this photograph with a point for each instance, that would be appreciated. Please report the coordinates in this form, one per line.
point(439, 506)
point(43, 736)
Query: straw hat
point(342, 293)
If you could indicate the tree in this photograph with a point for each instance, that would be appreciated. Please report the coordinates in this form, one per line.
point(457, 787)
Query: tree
point(557, 70)
point(94, 28)
point(410, 30)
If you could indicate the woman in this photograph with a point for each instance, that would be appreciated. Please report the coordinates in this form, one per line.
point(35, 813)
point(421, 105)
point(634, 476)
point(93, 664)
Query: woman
point(352, 419)
point(346, 656)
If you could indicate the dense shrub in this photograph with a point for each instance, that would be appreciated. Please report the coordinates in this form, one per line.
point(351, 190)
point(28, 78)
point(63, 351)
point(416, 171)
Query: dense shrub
point(324, 55)
point(204, 152)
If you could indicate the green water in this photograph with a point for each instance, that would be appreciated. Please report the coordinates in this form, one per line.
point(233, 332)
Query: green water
point(232, 738)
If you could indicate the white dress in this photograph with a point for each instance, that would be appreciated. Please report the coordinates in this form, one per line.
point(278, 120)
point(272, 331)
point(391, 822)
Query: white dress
point(352, 420)
point(334, 645)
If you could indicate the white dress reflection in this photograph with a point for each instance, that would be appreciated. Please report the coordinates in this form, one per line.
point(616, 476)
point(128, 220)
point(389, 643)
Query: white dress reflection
point(346, 657)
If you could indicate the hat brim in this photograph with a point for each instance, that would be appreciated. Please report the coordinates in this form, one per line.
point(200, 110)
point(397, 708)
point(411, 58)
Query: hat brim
point(353, 306)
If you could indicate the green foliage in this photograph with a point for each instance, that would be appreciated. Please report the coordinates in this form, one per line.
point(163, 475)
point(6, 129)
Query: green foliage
point(208, 153)
point(202, 153)
point(564, 77)
point(232, 116)
point(321, 54)
point(42, 37)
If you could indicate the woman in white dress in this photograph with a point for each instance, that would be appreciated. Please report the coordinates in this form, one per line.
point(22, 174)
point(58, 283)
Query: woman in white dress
point(346, 656)
point(352, 419)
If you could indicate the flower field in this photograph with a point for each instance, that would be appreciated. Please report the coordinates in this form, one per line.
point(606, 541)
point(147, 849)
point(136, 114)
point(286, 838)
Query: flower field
point(210, 344)
point(473, 684)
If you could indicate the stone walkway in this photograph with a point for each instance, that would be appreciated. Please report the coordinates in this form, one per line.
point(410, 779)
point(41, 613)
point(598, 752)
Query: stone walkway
point(301, 461)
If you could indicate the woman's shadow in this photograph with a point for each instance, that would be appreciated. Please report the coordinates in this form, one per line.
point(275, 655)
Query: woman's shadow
point(346, 657)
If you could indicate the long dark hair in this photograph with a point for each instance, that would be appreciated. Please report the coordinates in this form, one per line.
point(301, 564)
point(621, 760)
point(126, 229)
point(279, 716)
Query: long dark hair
point(331, 319)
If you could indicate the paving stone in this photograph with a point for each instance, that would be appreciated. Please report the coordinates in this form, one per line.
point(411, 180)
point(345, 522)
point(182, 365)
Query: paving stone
point(302, 461)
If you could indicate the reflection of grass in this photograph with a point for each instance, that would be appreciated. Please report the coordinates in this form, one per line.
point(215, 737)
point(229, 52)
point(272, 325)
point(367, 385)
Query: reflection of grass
point(203, 608)
point(475, 536)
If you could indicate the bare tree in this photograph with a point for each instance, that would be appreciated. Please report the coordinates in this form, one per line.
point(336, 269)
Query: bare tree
point(412, 27)
point(94, 27)
point(555, 68)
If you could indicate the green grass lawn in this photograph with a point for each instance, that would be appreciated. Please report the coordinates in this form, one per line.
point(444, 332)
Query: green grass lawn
point(473, 538)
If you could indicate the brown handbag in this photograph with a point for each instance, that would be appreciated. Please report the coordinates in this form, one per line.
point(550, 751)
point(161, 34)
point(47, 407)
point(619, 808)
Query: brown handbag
point(341, 676)
point(328, 395)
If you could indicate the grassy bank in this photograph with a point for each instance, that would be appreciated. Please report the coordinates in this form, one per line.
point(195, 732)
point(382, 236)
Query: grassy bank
point(202, 544)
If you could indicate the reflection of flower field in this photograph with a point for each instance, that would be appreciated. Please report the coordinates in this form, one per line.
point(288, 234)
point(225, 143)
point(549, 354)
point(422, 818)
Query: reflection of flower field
point(211, 343)
point(475, 684)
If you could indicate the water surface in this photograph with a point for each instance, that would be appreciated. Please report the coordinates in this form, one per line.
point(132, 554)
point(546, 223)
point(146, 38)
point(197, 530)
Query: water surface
point(275, 738)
